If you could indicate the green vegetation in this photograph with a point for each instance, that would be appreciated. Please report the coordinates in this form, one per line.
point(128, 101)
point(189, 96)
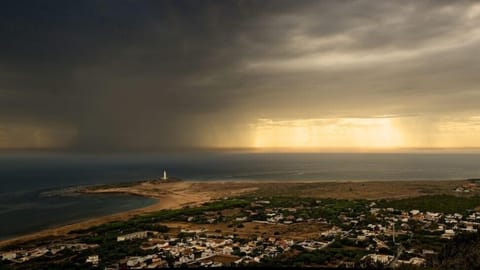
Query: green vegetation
point(3, 266)
point(435, 203)
point(182, 214)
point(462, 252)
point(315, 258)
point(349, 215)
point(148, 222)
point(424, 241)
point(123, 227)
point(282, 201)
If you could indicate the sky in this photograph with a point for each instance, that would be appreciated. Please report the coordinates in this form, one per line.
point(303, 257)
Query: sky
point(154, 75)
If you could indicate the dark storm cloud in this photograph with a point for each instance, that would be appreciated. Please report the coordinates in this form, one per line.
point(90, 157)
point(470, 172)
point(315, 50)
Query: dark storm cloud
point(156, 74)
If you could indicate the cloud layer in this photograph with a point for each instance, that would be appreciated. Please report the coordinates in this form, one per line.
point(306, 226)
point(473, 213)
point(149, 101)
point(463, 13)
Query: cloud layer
point(150, 75)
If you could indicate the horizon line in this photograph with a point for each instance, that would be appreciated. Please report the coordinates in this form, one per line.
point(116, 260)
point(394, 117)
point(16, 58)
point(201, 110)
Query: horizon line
point(246, 150)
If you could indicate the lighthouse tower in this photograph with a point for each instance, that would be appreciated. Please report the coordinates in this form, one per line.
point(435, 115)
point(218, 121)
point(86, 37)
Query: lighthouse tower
point(164, 177)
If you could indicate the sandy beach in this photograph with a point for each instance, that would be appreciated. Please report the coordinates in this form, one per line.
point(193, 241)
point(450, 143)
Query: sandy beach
point(172, 195)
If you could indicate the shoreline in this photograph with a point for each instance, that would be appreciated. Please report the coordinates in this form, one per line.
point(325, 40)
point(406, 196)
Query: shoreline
point(164, 201)
point(171, 195)
point(144, 202)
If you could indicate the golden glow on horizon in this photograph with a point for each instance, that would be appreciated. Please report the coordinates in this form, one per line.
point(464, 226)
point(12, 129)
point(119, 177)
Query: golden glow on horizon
point(328, 133)
point(384, 133)
point(366, 133)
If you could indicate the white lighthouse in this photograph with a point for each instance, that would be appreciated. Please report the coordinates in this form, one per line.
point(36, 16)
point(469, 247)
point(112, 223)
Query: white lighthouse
point(164, 175)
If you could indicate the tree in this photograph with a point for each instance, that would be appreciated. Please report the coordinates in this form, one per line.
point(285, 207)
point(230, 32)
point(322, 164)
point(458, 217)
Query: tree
point(462, 252)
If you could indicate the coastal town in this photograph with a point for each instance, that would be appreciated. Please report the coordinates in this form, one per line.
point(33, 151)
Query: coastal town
point(266, 231)
point(324, 134)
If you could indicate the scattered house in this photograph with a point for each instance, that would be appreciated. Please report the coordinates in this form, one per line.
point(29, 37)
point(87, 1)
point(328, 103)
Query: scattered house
point(361, 237)
point(186, 259)
point(9, 256)
point(227, 250)
point(378, 258)
point(431, 216)
point(347, 265)
point(427, 252)
point(195, 248)
point(211, 220)
point(241, 219)
point(192, 231)
point(414, 212)
point(449, 234)
point(263, 202)
point(466, 188)
point(139, 261)
point(94, 260)
point(132, 236)
point(416, 261)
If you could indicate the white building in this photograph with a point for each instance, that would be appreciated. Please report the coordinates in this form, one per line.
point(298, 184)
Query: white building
point(379, 258)
point(131, 236)
point(449, 234)
point(414, 212)
point(9, 256)
point(94, 259)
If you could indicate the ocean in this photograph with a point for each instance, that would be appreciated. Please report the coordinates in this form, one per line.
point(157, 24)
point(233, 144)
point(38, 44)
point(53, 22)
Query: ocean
point(35, 189)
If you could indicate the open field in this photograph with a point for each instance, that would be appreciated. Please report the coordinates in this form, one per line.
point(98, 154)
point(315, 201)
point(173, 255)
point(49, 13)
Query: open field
point(172, 195)
point(204, 191)
point(249, 229)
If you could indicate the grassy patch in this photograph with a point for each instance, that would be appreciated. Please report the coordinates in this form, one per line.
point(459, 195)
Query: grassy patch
point(434, 203)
